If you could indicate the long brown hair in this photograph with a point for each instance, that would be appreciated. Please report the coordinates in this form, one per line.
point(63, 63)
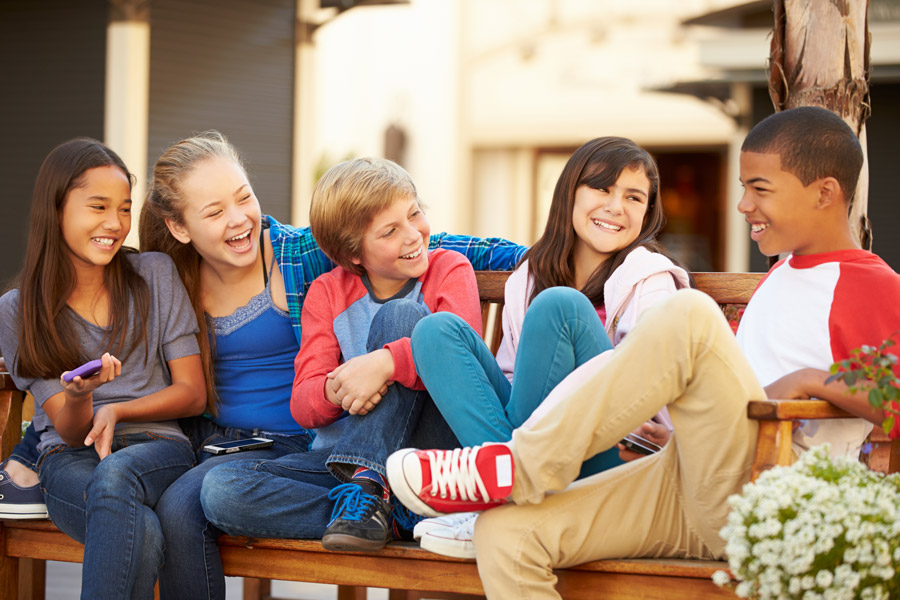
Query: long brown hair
point(597, 164)
point(47, 332)
point(165, 201)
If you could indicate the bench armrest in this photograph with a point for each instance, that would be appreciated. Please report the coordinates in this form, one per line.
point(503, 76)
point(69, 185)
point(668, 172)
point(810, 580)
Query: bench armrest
point(11, 400)
point(775, 417)
point(793, 410)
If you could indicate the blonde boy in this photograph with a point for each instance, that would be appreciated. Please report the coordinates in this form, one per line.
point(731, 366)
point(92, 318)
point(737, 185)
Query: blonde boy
point(355, 378)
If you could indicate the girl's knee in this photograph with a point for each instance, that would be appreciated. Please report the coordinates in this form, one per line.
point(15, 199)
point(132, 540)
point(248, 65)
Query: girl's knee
point(220, 485)
point(564, 300)
point(115, 472)
point(434, 329)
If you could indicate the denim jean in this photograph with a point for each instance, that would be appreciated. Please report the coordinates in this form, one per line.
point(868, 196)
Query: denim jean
point(193, 567)
point(288, 497)
point(109, 505)
point(561, 331)
point(25, 452)
point(400, 418)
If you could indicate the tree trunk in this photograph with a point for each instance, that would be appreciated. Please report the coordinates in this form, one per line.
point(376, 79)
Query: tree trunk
point(820, 57)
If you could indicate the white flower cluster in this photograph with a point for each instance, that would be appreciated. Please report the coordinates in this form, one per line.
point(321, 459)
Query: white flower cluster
point(821, 529)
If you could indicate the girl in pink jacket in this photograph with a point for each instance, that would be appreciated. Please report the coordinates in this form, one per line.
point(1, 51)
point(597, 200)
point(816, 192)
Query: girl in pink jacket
point(576, 293)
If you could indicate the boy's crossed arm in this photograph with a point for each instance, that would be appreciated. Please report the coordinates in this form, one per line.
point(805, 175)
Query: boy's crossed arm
point(358, 384)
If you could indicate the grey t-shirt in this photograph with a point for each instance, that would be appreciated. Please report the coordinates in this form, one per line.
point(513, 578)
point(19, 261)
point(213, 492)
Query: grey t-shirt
point(171, 334)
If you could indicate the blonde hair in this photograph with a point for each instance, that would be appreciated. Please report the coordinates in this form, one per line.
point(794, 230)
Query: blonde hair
point(347, 198)
point(165, 200)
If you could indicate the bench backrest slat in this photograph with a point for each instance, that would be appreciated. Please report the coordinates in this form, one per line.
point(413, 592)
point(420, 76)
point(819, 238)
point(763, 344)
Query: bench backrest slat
point(731, 291)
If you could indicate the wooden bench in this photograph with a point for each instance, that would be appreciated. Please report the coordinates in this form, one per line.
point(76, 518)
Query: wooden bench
point(405, 569)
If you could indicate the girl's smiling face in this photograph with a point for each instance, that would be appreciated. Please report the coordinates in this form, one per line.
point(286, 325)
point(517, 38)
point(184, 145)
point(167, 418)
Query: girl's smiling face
point(607, 220)
point(96, 216)
point(221, 215)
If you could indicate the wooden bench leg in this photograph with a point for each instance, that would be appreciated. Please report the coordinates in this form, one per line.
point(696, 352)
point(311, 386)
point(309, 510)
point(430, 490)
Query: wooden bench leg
point(32, 579)
point(773, 446)
point(348, 592)
point(257, 589)
point(9, 570)
point(894, 461)
point(411, 595)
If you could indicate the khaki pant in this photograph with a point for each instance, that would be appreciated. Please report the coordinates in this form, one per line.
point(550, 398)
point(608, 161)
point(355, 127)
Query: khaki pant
point(682, 355)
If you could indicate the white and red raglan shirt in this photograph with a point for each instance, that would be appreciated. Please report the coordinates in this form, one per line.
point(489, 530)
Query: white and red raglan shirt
point(811, 311)
point(337, 313)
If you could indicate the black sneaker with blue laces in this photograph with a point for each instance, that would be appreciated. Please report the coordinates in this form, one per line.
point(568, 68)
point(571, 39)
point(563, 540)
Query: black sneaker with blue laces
point(361, 519)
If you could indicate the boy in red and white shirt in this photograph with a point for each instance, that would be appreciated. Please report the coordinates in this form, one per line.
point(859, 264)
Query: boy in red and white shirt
point(799, 169)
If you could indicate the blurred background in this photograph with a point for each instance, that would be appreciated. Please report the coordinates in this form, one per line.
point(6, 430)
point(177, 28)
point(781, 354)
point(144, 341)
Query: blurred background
point(481, 100)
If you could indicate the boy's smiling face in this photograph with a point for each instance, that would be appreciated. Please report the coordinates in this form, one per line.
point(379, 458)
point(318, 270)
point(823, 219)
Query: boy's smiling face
point(395, 246)
point(783, 213)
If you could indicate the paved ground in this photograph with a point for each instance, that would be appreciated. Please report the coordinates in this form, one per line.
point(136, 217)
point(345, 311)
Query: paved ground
point(64, 583)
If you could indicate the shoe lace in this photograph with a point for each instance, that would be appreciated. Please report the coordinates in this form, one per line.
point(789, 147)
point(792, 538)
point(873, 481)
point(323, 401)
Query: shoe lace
point(466, 529)
point(454, 472)
point(404, 517)
point(454, 520)
point(351, 502)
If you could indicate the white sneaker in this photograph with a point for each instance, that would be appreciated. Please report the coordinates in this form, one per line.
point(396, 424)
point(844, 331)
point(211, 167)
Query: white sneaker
point(453, 541)
point(451, 520)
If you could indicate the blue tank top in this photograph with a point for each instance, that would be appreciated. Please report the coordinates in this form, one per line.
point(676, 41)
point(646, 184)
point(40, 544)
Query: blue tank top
point(254, 366)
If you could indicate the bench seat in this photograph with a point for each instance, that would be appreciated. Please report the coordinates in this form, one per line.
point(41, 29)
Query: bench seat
point(400, 566)
point(408, 570)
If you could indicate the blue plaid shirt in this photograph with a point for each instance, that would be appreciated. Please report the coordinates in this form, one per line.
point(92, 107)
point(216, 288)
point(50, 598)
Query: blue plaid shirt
point(301, 261)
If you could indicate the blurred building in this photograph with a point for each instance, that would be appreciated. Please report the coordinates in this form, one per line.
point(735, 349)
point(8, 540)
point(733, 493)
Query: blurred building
point(481, 100)
point(494, 95)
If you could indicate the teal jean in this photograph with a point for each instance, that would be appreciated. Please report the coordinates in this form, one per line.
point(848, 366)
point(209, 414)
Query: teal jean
point(561, 331)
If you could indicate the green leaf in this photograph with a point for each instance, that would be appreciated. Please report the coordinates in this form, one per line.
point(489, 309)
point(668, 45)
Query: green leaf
point(876, 398)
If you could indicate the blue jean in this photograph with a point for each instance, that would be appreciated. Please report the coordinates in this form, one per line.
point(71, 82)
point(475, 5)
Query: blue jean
point(25, 451)
point(288, 497)
point(193, 567)
point(108, 506)
point(561, 331)
point(404, 415)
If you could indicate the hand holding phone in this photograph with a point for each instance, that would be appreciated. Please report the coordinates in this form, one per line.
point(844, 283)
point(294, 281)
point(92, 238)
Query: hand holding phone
point(86, 370)
point(641, 445)
point(238, 445)
point(80, 382)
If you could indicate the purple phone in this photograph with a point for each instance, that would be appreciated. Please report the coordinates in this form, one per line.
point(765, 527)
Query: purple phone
point(84, 371)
